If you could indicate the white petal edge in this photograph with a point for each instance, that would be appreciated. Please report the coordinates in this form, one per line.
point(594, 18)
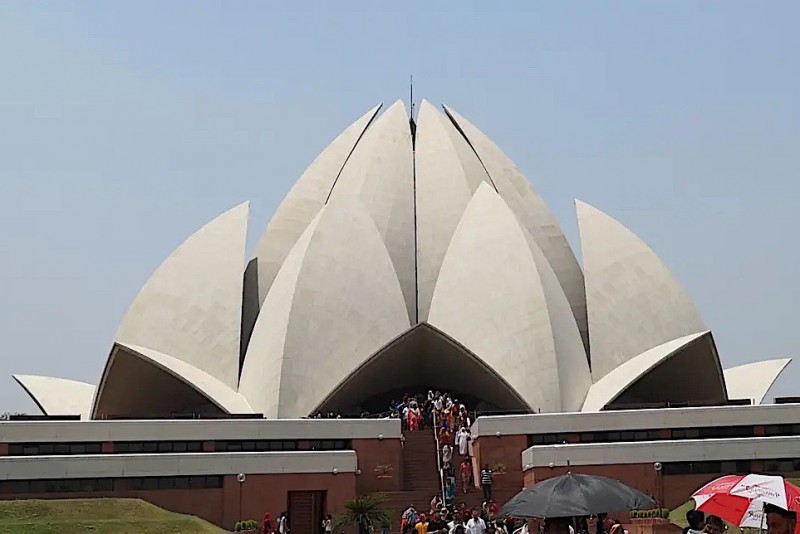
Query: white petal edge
point(58, 396)
point(753, 380)
point(634, 302)
point(614, 384)
point(217, 393)
point(191, 306)
point(303, 202)
point(333, 307)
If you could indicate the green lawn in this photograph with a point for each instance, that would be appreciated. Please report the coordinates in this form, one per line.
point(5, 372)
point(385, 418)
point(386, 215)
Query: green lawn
point(74, 516)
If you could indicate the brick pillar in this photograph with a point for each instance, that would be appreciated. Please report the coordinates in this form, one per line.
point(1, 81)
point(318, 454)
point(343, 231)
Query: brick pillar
point(208, 446)
point(3, 449)
point(107, 447)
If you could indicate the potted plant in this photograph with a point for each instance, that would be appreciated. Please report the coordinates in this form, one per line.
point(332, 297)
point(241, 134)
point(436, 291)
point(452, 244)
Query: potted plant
point(650, 517)
point(364, 512)
point(249, 526)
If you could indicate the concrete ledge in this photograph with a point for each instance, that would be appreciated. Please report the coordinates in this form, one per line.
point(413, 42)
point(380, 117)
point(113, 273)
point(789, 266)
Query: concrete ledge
point(661, 451)
point(145, 465)
point(767, 414)
point(198, 429)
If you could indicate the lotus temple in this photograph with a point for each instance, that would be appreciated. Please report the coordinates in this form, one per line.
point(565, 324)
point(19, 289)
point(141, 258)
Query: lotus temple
point(411, 255)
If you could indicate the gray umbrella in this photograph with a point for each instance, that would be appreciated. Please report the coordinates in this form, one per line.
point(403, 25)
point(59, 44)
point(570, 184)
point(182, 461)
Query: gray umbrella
point(574, 495)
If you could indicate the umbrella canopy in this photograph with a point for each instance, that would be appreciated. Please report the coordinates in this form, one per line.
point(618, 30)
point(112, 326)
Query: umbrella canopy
point(575, 495)
point(740, 499)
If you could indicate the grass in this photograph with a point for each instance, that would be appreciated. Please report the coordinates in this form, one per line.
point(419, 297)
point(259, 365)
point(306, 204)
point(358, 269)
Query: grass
point(678, 515)
point(73, 516)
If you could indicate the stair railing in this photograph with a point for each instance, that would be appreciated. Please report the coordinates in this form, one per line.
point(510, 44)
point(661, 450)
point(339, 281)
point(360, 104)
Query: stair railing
point(439, 463)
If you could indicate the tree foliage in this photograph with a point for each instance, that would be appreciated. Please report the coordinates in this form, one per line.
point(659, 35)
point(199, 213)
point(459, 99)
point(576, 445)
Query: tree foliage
point(364, 512)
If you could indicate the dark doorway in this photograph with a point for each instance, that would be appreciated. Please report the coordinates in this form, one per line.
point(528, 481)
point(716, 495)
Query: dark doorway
point(420, 359)
point(306, 511)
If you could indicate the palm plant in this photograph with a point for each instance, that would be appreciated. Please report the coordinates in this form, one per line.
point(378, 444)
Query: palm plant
point(363, 512)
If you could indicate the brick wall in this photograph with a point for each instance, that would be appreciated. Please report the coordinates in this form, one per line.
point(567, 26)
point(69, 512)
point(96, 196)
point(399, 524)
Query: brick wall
point(372, 453)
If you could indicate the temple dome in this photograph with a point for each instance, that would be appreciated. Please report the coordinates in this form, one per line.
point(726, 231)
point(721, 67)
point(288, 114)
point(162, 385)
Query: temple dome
point(406, 245)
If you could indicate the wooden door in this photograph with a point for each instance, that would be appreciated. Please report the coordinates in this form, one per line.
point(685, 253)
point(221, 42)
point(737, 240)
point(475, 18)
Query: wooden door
point(306, 511)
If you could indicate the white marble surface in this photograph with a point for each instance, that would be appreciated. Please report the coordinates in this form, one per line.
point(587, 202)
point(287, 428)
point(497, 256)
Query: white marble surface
point(634, 302)
point(753, 380)
point(176, 464)
point(191, 306)
point(58, 396)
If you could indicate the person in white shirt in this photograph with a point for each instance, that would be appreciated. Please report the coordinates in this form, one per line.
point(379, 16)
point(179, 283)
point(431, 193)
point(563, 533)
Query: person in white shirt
point(447, 455)
point(283, 523)
point(476, 525)
point(462, 440)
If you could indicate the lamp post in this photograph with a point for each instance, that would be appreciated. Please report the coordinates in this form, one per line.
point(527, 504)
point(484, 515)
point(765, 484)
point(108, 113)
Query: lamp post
point(240, 478)
point(659, 467)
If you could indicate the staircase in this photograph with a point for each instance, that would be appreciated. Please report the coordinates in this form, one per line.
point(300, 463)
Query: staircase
point(421, 480)
point(420, 476)
point(473, 498)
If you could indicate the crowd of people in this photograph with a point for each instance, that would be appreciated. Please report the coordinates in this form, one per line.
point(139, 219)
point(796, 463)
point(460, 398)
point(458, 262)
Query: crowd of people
point(441, 519)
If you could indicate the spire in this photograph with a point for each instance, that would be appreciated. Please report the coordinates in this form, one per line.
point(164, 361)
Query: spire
point(411, 123)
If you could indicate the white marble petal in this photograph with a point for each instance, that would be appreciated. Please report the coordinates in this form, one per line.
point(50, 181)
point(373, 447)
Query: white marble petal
point(614, 384)
point(304, 201)
point(334, 303)
point(380, 173)
point(574, 376)
point(753, 380)
point(496, 296)
point(191, 306)
point(58, 396)
point(443, 189)
point(217, 393)
point(119, 393)
point(262, 370)
point(533, 214)
point(634, 302)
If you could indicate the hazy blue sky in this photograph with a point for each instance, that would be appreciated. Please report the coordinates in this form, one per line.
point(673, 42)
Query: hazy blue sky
point(126, 126)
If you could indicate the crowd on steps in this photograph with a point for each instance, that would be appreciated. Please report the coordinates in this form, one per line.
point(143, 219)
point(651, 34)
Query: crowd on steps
point(441, 519)
point(450, 421)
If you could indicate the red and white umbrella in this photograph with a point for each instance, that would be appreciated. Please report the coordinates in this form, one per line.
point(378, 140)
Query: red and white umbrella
point(740, 499)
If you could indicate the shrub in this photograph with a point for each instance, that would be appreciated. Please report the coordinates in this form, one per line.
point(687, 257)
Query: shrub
point(655, 513)
point(249, 524)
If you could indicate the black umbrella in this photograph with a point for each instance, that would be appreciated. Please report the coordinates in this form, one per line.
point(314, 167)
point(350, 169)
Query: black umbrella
point(574, 495)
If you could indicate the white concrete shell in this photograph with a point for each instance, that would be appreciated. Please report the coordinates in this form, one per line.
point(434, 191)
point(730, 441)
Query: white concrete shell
point(693, 366)
point(380, 173)
point(533, 214)
point(212, 390)
point(303, 202)
point(191, 306)
point(753, 380)
point(335, 302)
point(391, 250)
point(58, 396)
point(498, 296)
point(444, 187)
point(634, 302)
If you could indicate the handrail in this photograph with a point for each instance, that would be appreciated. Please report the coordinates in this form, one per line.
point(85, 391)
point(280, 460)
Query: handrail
point(439, 465)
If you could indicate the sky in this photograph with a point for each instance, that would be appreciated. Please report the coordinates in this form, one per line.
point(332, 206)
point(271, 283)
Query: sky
point(125, 126)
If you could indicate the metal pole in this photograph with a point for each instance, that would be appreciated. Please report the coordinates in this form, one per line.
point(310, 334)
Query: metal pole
point(240, 478)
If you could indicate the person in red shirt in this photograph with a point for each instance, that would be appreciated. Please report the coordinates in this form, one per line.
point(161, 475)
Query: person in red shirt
point(466, 473)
